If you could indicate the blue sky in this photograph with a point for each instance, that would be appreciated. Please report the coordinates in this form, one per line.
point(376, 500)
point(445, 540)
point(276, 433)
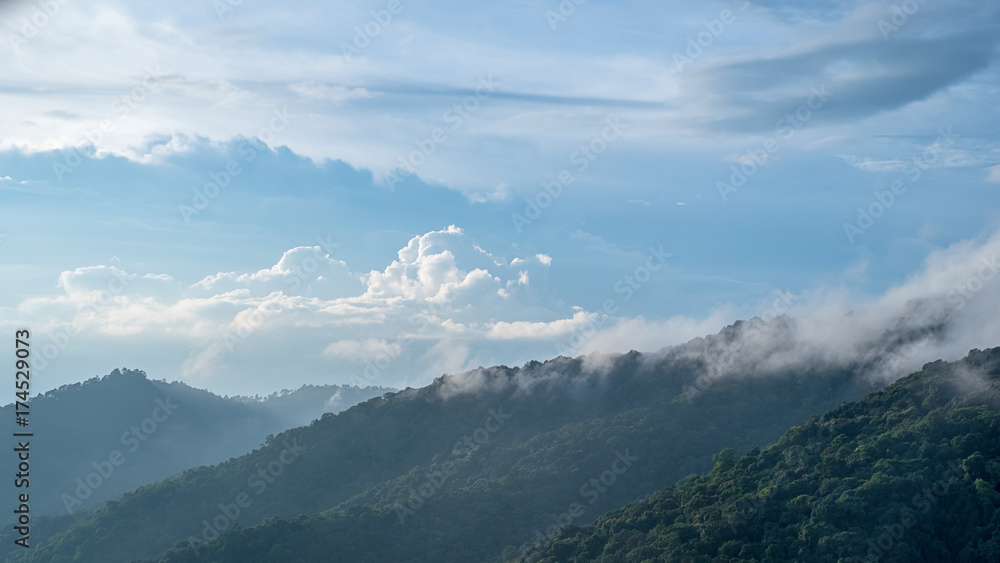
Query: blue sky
point(253, 197)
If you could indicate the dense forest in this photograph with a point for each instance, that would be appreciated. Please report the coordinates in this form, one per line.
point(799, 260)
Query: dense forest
point(517, 464)
point(505, 490)
point(459, 470)
point(909, 473)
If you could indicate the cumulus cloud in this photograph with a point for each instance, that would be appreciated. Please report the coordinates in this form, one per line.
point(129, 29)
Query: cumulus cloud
point(441, 285)
point(463, 278)
point(304, 269)
point(86, 281)
point(445, 305)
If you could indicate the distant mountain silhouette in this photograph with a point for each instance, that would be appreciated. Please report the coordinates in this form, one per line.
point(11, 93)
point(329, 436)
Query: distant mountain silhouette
point(458, 470)
point(488, 464)
point(156, 428)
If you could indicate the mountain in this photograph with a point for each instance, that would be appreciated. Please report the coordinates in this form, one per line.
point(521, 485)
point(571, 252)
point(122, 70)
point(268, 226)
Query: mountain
point(462, 469)
point(910, 473)
point(309, 402)
point(108, 435)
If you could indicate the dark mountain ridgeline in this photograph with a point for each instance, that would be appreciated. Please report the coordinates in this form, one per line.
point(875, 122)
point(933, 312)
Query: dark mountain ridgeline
point(511, 491)
point(910, 473)
point(121, 431)
point(424, 475)
point(482, 466)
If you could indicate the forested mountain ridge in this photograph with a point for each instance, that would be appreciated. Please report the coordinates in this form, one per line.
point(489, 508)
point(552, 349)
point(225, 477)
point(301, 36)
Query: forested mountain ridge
point(369, 483)
point(474, 466)
point(470, 503)
point(909, 473)
point(157, 429)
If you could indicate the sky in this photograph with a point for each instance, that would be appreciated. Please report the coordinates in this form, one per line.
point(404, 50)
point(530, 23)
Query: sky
point(252, 197)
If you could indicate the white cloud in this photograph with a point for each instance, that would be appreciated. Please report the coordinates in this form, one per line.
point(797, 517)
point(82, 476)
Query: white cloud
point(447, 357)
point(360, 350)
point(944, 152)
point(650, 335)
point(500, 194)
point(304, 269)
point(542, 259)
point(437, 309)
point(528, 329)
point(336, 93)
point(441, 285)
point(993, 174)
point(872, 165)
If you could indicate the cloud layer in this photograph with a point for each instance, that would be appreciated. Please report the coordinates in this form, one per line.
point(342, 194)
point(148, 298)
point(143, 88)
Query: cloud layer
point(446, 305)
point(205, 193)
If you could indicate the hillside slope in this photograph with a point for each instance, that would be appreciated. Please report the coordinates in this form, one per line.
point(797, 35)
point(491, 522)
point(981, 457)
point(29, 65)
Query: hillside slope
point(157, 429)
point(468, 505)
point(469, 466)
point(910, 473)
point(424, 475)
